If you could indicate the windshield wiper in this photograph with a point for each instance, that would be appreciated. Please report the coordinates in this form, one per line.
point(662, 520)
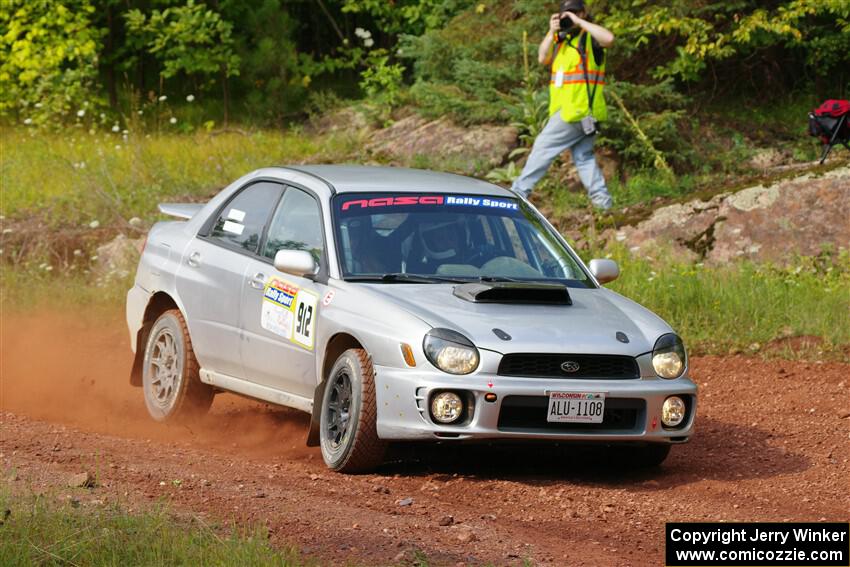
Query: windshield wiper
point(498, 279)
point(401, 277)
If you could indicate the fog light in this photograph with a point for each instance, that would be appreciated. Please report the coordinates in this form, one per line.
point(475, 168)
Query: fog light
point(446, 407)
point(673, 411)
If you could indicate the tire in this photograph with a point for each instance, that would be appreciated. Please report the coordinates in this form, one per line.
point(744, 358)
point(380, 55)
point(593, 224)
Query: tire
point(349, 439)
point(172, 386)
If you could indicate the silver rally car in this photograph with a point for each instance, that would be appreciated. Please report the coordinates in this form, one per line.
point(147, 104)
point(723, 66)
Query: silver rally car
point(399, 305)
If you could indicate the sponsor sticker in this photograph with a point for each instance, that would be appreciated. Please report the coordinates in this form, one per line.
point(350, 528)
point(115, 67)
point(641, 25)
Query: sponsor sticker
point(289, 311)
point(329, 296)
point(446, 200)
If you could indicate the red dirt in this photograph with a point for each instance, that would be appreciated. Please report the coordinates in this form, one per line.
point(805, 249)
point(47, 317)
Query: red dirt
point(771, 445)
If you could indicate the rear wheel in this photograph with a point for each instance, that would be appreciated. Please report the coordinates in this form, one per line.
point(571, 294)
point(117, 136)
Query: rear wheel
point(170, 373)
point(348, 425)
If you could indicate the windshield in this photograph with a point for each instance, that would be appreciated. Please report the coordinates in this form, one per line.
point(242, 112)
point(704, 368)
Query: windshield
point(391, 237)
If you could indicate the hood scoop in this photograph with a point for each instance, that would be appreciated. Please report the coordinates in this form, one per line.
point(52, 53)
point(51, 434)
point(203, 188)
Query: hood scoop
point(514, 292)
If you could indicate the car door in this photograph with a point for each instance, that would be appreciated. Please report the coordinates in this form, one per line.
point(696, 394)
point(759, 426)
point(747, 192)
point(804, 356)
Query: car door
point(280, 311)
point(212, 272)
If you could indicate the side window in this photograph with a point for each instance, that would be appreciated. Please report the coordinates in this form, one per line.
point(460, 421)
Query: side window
point(243, 219)
point(296, 225)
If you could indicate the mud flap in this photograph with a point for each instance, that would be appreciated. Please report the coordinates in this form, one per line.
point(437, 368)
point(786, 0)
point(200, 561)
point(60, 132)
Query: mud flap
point(316, 415)
point(136, 372)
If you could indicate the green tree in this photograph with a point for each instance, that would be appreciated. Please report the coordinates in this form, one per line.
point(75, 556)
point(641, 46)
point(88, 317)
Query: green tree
point(190, 39)
point(48, 59)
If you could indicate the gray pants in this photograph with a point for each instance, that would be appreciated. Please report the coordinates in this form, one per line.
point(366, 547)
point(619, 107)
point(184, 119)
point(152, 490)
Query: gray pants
point(556, 137)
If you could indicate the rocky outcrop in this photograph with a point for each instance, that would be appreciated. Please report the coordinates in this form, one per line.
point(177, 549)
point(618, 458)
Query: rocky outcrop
point(771, 222)
point(472, 149)
point(118, 257)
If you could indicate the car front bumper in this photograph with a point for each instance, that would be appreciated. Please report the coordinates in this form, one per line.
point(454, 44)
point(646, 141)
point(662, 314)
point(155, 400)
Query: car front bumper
point(633, 407)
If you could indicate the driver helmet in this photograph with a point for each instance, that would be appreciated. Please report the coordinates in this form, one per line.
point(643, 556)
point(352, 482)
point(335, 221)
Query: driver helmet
point(440, 239)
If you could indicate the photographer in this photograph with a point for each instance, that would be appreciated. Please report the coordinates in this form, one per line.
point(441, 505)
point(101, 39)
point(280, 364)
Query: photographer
point(575, 48)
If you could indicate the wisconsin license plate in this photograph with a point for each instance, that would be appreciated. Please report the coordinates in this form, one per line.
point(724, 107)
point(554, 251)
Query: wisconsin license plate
point(576, 407)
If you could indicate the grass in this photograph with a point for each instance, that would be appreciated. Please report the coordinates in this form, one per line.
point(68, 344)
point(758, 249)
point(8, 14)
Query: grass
point(746, 306)
point(79, 176)
point(39, 530)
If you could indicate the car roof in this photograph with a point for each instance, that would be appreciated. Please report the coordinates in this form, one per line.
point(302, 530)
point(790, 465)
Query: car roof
point(365, 178)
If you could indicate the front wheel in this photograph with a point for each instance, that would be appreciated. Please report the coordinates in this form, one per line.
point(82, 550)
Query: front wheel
point(348, 430)
point(170, 372)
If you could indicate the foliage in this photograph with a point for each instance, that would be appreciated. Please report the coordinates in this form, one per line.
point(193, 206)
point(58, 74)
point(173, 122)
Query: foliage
point(683, 38)
point(48, 59)
point(660, 111)
point(191, 39)
point(381, 80)
point(412, 17)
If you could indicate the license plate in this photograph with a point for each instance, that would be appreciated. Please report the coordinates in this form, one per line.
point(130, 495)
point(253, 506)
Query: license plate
point(576, 407)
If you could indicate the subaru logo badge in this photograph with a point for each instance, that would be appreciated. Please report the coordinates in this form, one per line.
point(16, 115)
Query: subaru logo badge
point(570, 366)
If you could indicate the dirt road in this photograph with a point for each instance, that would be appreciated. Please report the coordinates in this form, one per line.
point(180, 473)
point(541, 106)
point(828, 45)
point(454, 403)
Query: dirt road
point(772, 444)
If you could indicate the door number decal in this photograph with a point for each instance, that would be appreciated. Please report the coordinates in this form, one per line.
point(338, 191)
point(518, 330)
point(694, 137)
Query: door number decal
point(289, 311)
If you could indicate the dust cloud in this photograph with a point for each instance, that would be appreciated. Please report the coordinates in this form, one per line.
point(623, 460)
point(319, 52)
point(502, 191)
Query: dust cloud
point(73, 368)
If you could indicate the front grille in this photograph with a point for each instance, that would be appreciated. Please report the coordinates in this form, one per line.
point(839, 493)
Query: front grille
point(589, 366)
point(528, 414)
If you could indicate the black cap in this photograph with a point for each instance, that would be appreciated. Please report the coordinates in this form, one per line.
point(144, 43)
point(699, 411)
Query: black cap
point(572, 6)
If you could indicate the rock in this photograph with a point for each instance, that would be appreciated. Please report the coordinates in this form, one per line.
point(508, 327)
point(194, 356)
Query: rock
point(844, 414)
point(765, 223)
point(404, 502)
point(314, 476)
point(119, 256)
point(380, 489)
point(135, 222)
point(344, 119)
point(81, 480)
point(447, 520)
point(466, 535)
point(767, 158)
point(473, 149)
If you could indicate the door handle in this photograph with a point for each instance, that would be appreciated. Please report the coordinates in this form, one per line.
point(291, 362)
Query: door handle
point(194, 259)
point(258, 281)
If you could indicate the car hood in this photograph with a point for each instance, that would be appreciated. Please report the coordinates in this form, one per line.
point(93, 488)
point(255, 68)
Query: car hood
point(590, 325)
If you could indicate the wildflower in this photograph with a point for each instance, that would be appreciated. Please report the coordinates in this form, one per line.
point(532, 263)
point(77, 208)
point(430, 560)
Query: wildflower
point(7, 231)
point(117, 146)
point(81, 113)
point(92, 132)
point(38, 105)
point(172, 120)
point(368, 42)
point(163, 98)
point(125, 132)
point(94, 224)
point(141, 112)
point(190, 98)
point(102, 116)
point(116, 128)
point(42, 266)
point(78, 252)
point(28, 121)
point(93, 258)
point(359, 32)
point(48, 268)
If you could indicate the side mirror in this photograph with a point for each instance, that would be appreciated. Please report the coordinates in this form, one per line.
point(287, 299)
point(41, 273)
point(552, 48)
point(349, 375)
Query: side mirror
point(296, 262)
point(604, 270)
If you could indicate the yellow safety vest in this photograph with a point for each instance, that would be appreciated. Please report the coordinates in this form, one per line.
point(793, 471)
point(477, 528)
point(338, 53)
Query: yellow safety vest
point(569, 95)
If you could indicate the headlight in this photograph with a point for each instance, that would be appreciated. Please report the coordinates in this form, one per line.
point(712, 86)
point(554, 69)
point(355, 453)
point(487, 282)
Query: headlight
point(450, 351)
point(668, 356)
point(673, 411)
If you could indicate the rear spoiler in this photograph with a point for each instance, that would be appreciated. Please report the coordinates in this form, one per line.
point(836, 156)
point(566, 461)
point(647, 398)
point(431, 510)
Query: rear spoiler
point(180, 210)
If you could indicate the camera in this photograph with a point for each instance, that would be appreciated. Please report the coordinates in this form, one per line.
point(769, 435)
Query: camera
point(567, 28)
